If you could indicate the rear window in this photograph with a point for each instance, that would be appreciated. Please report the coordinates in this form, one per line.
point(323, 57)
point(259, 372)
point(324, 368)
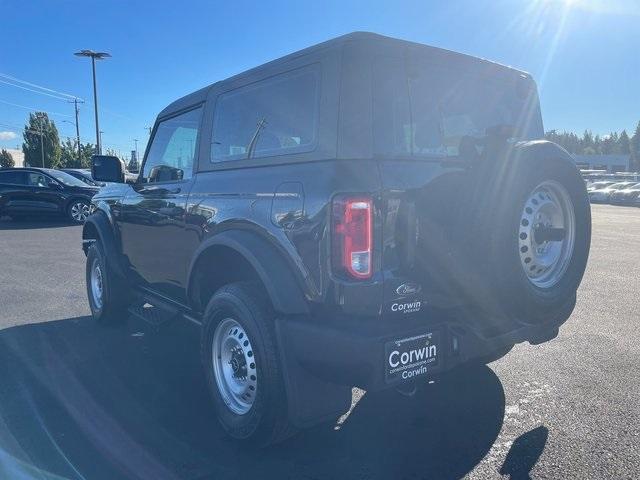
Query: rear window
point(421, 109)
point(13, 178)
point(276, 116)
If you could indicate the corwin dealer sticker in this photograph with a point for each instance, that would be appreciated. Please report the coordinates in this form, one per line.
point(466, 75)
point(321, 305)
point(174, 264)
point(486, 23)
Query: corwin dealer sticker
point(410, 357)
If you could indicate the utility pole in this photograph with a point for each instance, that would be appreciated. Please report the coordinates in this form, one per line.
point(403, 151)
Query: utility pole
point(75, 104)
point(94, 56)
point(135, 140)
point(39, 116)
point(41, 142)
point(149, 129)
point(100, 137)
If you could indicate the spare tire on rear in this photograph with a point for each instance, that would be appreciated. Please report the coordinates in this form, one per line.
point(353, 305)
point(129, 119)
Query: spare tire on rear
point(526, 235)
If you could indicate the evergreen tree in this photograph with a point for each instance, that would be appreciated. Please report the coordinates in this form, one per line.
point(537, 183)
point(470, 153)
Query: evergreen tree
point(609, 144)
point(40, 126)
point(6, 159)
point(587, 141)
point(624, 143)
point(635, 149)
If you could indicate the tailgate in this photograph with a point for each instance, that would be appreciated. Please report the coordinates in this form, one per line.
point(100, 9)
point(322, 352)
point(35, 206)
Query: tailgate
point(419, 204)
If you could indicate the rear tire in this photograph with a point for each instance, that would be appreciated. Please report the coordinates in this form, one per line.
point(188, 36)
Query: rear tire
point(107, 294)
point(242, 366)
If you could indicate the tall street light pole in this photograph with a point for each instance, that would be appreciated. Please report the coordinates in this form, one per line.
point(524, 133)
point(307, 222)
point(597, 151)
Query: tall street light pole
point(94, 56)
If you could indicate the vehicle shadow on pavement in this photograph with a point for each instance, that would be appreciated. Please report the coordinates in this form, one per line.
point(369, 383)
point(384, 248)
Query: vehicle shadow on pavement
point(81, 400)
point(33, 223)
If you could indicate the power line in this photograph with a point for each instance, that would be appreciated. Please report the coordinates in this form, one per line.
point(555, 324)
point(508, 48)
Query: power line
point(13, 128)
point(57, 97)
point(34, 109)
point(34, 85)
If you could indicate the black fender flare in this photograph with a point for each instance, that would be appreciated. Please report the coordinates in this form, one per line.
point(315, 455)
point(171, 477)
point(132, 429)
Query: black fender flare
point(99, 222)
point(536, 149)
point(277, 275)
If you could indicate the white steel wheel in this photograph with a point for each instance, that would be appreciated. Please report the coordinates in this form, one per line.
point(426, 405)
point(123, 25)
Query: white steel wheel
point(547, 234)
point(96, 284)
point(234, 366)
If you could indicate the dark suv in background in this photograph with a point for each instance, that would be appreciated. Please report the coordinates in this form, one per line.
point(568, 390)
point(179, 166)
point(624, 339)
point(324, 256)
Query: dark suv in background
point(36, 192)
point(367, 212)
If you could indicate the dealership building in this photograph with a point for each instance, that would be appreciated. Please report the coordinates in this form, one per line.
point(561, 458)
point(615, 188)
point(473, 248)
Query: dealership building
point(18, 156)
point(610, 163)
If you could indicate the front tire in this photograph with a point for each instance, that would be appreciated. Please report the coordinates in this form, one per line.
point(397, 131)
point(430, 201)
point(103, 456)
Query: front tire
point(242, 366)
point(108, 298)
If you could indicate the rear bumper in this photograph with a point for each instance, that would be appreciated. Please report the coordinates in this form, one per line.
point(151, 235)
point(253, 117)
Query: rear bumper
point(353, 352)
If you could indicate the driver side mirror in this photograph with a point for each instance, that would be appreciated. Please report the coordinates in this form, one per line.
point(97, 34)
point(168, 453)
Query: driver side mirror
point(107, 168)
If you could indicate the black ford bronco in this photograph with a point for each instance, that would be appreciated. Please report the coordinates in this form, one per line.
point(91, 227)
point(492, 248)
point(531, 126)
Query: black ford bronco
point(366, 212)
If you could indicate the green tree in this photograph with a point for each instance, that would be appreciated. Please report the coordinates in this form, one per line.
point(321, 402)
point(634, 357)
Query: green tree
point(588, 143)
point(609, 144)
point(635, 149)
point(568, 141)
point(134, 166)
point(40, 126)
point(597, 144)
point(6, 159)
point(624, 143)
point(69, 154)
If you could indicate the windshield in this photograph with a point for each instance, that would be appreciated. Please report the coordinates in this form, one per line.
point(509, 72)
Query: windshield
point(65, 178)
point(83, 176)
point(427, 110)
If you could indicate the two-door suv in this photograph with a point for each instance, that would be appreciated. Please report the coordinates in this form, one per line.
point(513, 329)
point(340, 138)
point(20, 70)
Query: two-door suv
point(366, 212)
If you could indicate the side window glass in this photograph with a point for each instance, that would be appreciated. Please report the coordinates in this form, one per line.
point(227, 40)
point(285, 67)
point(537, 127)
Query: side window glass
point(173, 148)
point(391, 110)
point(37, 180)
point(13, 178)
point(276, 116)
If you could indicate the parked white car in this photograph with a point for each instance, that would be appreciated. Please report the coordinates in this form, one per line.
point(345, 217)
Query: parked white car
point(600, 184)
point(602, 195)
point(626, 196)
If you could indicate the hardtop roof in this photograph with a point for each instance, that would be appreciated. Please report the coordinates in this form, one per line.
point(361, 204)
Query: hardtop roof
point(200, 96)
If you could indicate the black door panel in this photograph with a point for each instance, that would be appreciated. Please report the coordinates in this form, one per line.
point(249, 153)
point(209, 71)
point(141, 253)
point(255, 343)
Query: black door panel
point(153, 220)
point(151, 232)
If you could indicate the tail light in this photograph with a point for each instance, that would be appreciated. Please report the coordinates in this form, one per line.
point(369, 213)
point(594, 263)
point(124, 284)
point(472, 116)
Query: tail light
point(352, 236)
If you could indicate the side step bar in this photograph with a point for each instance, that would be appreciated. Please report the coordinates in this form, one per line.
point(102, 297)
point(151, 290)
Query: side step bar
point(157, 310)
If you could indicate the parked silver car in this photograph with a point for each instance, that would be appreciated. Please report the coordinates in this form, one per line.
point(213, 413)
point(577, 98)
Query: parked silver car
point(603, 195)
point(626, 196)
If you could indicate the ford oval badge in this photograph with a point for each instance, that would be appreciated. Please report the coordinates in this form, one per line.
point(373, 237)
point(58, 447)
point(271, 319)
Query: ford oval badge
point(408, 288)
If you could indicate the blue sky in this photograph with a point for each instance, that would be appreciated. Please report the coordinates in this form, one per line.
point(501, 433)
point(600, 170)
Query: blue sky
point(583, 53)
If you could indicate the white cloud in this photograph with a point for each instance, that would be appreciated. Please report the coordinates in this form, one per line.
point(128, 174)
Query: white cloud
point(7, 135)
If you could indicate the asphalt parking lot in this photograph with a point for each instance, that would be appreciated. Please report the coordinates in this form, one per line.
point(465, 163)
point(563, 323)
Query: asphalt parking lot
point(83, 401)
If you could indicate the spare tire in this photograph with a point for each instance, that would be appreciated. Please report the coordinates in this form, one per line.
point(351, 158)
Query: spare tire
point(527, 232)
